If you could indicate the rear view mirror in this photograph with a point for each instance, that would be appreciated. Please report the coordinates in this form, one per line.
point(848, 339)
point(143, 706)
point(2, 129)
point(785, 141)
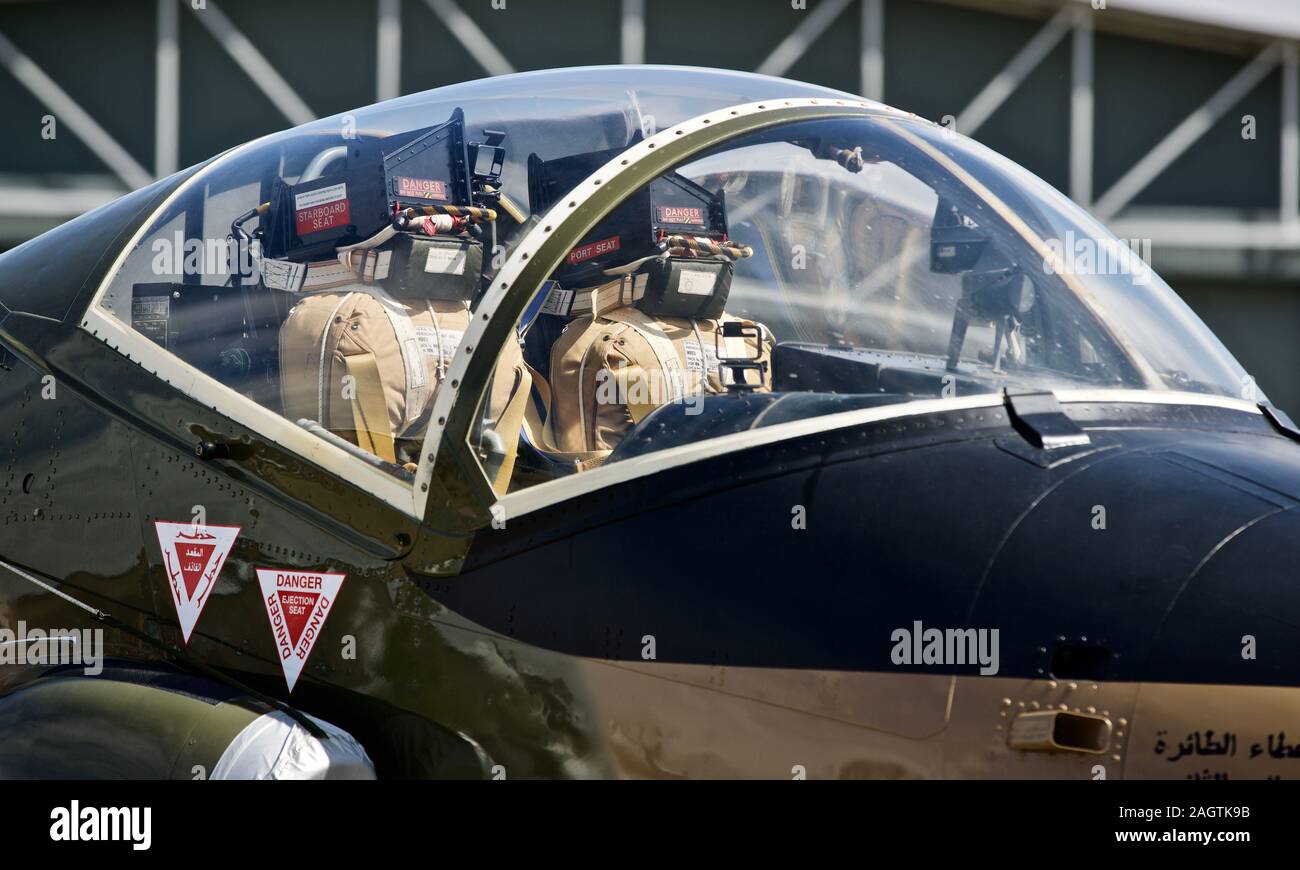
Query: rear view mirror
point(956, 241)
point(997, 294)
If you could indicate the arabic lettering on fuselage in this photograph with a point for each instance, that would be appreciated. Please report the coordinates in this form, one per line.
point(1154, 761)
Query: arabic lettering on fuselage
point(1206, 743)
point(1199, 743)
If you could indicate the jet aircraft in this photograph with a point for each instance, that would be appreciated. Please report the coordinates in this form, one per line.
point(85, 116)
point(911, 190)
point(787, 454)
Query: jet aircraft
point(630, 422)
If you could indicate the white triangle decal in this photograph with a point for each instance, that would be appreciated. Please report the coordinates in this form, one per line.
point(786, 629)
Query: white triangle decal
point(297, 603)
point(192, 558)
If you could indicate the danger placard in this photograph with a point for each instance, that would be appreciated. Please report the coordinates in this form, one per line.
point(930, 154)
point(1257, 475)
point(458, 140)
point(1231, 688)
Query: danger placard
point(681, 214)
point(297, 603)
point(192, 557)
point(420, 188)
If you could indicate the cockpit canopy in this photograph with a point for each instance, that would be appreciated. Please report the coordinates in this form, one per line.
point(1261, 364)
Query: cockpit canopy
point(327, 274)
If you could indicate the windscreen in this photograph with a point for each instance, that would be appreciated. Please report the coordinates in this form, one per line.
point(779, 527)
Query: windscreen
point(832, 264)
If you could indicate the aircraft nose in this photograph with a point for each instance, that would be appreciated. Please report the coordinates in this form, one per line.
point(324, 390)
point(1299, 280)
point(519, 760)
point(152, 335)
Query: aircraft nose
point(1236, 618)
point(1164, 562)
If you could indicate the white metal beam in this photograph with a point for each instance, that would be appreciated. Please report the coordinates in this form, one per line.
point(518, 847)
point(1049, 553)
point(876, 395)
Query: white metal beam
point(632, 36)
point(872, 60)
point(254, 64)
point(167, 90)
point(388, 64)
point(1289, 174)
point(1210, 233)
point(995, 93)
point(1081, 112)
point(1185, 134)
point(793, 46)
point(471, 36)
point(47, 202)
point(67, 112)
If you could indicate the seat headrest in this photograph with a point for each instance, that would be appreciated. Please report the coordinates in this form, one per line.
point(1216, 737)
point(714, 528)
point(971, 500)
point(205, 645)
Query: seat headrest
point(443, 268)
point(694, 288)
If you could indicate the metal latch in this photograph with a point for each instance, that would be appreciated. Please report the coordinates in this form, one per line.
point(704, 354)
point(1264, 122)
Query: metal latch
point(1281, 421)
point(1040, 418)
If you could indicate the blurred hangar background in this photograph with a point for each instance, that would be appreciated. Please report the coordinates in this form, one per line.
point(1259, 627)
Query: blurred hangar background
point(1176, 121)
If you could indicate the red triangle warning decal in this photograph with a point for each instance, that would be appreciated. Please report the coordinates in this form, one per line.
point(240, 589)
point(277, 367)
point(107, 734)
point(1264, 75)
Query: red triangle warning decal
point(297, 603)
point(296, 607)
point(192, 558)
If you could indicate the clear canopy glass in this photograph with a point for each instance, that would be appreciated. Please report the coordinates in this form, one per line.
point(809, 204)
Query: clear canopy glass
point(886, 258)
point(882, 259)
point(550, 113)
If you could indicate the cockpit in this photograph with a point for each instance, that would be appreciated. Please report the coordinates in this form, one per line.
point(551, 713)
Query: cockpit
point(796, 269)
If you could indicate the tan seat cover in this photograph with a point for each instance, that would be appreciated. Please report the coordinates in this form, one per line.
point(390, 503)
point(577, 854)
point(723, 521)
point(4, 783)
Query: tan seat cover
point(324, 328)
point(348, 331)
point(613, 357)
